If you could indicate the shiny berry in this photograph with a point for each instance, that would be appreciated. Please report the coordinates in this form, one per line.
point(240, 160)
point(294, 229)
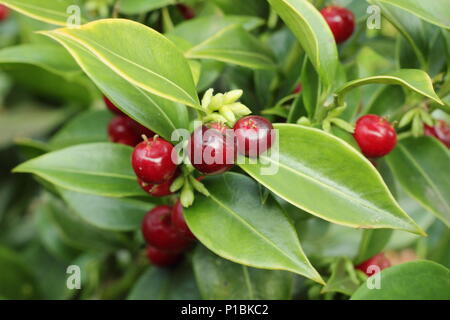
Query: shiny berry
point(159, 231)
point(122, 129)
point(440, 131)
point(112, 107)
point(152, 161)
point(158, 190)
point(162, 258)
point(187, 12)
point(341, 22)
point(212, 151)
point(378, 263)
point(254, 135)
point(375, 136)
point(179, 222)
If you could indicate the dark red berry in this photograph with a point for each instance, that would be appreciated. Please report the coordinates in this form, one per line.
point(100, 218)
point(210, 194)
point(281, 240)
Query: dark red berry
point(378, 263)
point(112, 107)
point(152, 161)
point(122, 129)
point(158, 190)
point(179, 221)
point(186, 11)
point(341, 22)
point(298, 89)
point(254, 135)
point(4, 12)
point(375, 136)
point(212, 151)
point(162, 258)
point(440, 131)
point(159, 231)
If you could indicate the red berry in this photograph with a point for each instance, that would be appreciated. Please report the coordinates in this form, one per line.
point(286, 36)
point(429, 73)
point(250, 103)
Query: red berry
point(375, 136)
point(159, 231)
point(186, 11)
point(112, 107)
point(440, 131)
point(162, 258)
point(158, 190)
point(179, 221)
point(298, 89)
point(4, 12)
point(254, 135)
point(152, 161)
point(212, 151)
point(122, 129)
point(341, 22)
point(378, 260)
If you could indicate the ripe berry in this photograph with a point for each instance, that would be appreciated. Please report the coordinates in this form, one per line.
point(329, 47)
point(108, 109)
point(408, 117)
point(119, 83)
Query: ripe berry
point(186, 11)
point(162, 258)
point(254, 135)
point(159, 231)
point(440, 131)
point(125, 130)
point(378, 260)
point(112, 107)
point(4, 12)
point(341, 22)
point(298, 89)
point(211, 149)
point(375, 136)
point(152, 161)
point(179, 221)
point(158, 190)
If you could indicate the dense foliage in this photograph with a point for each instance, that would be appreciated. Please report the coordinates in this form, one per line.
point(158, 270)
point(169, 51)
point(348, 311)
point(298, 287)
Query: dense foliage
point(351, 99)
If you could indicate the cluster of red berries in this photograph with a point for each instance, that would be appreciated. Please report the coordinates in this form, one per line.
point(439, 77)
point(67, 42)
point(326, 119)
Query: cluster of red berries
point(4, 12)
point(341, 22)
point(380, 261)
point(440, 131)
point(375, 136)
point(122, 129)
point(167, 234)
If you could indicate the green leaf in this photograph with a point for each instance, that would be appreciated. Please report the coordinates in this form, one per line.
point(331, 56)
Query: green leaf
point(53, 12)
point(246, 223)
point(421, 167)
point(166, 284)
point(97, 168)
point(313, 32)
point(416, 80)
point(437, 12)
point(387, 101)
point(372, 242)
point(332, 180)
point(52, 58)
point(116, 214)
point(17, 282)
point(418, 280)
point(311, 87)
point(236, 46)
point(343, 278)
point(142, 6)
point(88, 127)
point(160, 115)
point(120, 44)
point(219, 279)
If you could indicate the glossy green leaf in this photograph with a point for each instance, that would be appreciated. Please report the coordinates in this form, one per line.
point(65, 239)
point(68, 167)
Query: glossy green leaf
point(16, 280)
point(372, 242)
point(52, 58)
point(436, 11)
point(96, 168)
point(313, 32)
point(236, 46)
point(159, 114)
point(141, 6)
point(343, 277)
point(54, 12)
point(418, 280)
point(120, 44)
point(88, 127)
point(219, 279)
point(247, 7)
point(166, 284)
point(416, 80)
point(332, 180)
point(117, 214)
point(387, 101)
point(246, 223)
point(421, 167)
